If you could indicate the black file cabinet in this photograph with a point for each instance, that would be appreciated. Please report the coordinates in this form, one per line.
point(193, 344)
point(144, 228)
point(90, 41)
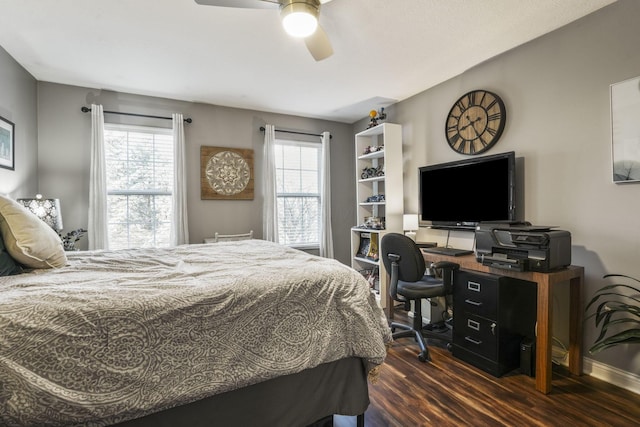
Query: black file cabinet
point(492, 314)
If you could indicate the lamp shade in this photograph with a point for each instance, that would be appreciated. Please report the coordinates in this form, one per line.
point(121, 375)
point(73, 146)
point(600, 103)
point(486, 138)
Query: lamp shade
point(410, 222)
point(47, 210)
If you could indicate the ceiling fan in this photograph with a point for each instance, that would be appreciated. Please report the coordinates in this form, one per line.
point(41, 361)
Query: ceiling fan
point(299, 19)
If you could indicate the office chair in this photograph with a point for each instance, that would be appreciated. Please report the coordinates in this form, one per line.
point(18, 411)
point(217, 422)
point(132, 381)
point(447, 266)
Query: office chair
point(405, 264)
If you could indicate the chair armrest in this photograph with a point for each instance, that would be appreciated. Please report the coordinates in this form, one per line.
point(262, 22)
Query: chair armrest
point(445, 265)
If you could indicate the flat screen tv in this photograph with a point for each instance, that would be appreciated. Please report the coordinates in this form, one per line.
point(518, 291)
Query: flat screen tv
point(462, 193)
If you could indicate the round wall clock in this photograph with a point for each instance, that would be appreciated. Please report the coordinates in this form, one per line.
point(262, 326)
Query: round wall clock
point(475, 122)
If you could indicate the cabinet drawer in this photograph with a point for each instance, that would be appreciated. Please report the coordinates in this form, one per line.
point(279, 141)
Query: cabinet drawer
point(476, 334)
point(476, 293)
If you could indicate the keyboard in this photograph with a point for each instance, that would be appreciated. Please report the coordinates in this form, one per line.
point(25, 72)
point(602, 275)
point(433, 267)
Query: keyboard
point(426, 245)
point(441, 250)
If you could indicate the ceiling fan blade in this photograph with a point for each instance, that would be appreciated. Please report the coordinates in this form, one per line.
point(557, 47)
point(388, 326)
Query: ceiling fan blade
point(319, 45)
point(245, 4)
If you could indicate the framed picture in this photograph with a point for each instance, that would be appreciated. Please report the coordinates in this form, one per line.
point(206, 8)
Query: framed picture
point(625, 130)
point(226, 173)
point(7, 144)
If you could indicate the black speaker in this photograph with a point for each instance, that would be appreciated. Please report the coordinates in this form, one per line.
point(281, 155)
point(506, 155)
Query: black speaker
point(528, 357)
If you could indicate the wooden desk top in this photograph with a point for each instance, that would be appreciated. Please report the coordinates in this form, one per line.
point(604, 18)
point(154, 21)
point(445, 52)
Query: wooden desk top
point(468, 262)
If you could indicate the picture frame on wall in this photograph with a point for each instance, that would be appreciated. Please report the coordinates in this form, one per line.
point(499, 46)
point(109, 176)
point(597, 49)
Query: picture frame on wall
point(625, 130)
point(7, 144)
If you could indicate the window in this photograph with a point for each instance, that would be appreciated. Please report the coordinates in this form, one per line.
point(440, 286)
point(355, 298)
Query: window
point(139, 162)
point(298, 192)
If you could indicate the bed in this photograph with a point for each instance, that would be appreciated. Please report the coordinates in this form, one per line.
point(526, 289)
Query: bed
point(238, 333)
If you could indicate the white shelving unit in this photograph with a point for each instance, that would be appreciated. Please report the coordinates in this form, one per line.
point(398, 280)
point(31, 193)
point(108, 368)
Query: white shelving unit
point(386, 156)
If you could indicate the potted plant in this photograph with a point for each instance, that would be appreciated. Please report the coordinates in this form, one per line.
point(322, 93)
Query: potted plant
point(69, 241)
point(618, 309)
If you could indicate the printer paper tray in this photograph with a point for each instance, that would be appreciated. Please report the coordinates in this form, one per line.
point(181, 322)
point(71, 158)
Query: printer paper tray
point(504, 263)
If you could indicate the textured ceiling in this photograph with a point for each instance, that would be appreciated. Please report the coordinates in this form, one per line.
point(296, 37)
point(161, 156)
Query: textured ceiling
point(384, 51)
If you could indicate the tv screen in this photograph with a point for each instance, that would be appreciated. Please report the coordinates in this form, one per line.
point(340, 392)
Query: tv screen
point(463, 193)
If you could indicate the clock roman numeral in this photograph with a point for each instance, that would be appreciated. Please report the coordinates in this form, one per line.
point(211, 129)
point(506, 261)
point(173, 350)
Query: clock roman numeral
point(496, 116)
point(491, 104)
point(492, 131)
point(482, 99)
point(471, 99)
point(454, 139)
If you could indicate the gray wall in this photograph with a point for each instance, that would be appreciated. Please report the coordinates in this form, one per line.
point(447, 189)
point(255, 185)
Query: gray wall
point(556, 90)
point(18, 98)
point(64, 156)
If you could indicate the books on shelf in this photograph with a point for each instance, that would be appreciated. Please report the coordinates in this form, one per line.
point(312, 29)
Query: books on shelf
point(368, 246)
point(365, 243)
point(373, 247)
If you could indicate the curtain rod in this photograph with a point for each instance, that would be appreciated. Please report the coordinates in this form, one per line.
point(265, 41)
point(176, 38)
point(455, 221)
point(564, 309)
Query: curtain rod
point(86, 110)
point(262, 129)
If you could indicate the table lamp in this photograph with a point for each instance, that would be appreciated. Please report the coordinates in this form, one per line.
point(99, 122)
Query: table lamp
point(410, 225)
point(47, 210)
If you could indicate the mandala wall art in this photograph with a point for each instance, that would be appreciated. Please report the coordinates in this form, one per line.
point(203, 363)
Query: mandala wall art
point(226, 173)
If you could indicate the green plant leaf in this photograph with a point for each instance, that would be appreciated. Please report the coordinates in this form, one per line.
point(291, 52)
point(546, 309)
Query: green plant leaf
point(601, 293)
point(618, 322)
point(631, 336)
point(615, 309)
point(621, 275)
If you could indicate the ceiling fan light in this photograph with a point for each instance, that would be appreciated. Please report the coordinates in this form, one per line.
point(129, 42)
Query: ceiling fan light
point(299, 19)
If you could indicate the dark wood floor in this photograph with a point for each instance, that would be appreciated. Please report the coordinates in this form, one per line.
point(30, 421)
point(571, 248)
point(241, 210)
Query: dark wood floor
point(449, 392)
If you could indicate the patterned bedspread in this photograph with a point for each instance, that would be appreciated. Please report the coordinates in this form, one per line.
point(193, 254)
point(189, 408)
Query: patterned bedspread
point(116, 335)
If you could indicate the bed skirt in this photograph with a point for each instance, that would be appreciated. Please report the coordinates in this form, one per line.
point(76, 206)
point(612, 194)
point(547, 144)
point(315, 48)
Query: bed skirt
point(307, 398)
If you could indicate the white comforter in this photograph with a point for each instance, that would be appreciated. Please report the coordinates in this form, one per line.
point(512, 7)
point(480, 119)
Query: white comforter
point(116, 335)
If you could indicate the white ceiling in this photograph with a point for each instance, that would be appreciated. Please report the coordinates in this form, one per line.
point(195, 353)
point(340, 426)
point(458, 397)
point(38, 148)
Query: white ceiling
point(384, 50)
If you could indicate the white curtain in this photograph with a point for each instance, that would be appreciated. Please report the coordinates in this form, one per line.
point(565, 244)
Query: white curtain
point(97, 233)
point(179, 226)
point(326, 234)
point(270, 208)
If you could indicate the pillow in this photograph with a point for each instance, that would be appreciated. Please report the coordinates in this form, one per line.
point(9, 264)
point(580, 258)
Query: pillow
point(7, 265)
point(28, 239)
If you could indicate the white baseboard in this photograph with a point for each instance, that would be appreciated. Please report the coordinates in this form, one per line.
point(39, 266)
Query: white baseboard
point(615, 376)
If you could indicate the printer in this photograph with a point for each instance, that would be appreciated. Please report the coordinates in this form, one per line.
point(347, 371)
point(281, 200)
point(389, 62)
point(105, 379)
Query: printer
point(522, 247)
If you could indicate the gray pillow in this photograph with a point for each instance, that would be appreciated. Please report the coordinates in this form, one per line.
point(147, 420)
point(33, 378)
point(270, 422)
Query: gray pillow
point(7, 265)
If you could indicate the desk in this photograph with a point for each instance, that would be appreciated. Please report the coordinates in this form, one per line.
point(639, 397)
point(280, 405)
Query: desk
point(544, 339)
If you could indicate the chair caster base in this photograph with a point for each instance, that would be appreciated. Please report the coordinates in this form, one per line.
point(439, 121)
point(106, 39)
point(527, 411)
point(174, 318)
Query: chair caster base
point(438, 328)
point(423, 356)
